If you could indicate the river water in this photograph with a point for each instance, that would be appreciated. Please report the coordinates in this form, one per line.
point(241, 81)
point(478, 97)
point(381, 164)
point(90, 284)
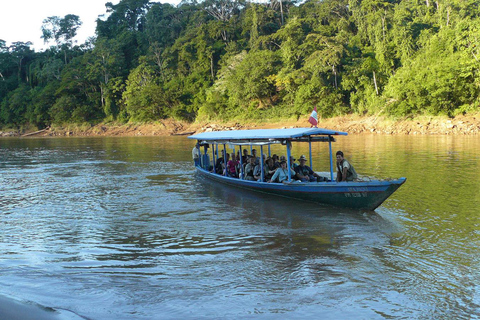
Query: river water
point(121, 228)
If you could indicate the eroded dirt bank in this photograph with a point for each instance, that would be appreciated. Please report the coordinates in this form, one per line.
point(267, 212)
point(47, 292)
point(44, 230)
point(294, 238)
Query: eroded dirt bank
point(461, 125)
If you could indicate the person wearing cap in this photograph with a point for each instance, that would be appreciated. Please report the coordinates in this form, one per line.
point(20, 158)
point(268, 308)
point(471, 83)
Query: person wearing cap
point(196, 155)
point(345, 171)
point(249, 168)
point(244, 156)
point(254, 155)
point(305, 173)
point(257, 172)
point(271, 168)
point(276, 163)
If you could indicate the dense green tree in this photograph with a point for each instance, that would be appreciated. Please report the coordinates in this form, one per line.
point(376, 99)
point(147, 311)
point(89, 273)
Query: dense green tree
point(247, 79)
point(22, 55)
point(442, 79)
point(62, 31)
point(238, 59)
point(144, 98)
point(14, 106)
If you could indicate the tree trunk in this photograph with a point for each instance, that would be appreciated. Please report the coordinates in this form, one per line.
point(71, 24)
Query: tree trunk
point(335, 75)
point(281, 10)
point(383, 25)
point(211, 67)
point(448, 15)
point(102, 96)
point(375, 82)
point(20, 69)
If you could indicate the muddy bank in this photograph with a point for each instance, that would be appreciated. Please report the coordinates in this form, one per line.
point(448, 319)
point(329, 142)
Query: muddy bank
point(461, 125)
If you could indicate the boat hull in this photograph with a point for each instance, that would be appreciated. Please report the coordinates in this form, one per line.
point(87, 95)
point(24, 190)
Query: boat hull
point(366, 195)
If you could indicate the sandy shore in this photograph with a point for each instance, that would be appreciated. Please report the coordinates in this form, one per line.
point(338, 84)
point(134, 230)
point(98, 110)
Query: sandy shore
point(461, 125)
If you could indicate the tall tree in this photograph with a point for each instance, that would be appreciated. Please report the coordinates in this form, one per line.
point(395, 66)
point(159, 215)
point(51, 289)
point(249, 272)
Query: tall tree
point(61, 30)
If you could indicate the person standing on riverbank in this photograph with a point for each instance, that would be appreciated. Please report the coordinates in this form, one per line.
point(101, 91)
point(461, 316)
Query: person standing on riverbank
point(345, 171)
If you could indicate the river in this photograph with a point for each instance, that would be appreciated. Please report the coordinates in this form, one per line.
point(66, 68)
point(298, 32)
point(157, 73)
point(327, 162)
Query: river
point(121, 228)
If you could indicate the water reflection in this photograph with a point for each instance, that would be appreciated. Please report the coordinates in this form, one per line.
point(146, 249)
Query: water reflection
point(124, 225)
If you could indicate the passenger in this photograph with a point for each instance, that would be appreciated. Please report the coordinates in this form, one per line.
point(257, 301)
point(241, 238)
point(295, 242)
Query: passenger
point(196, 155)
point(244, 156)
point(238, 166)
point(270, 168)
point(292, 162)
point(249, 168)
point(224, 164)
point(254, 155)
point(276, 163)
point(232, 166)
point(345, 171)
point(305, 173)
point(218, 166)
point(257, 172)
point(281, 174)
point(237, 157)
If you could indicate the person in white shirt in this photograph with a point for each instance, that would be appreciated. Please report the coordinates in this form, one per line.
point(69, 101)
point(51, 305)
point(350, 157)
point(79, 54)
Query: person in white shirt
point(281, 174)
point(196, 155)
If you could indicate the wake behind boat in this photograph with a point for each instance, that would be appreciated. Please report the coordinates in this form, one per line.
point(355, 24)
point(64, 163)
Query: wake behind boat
point(358, 194)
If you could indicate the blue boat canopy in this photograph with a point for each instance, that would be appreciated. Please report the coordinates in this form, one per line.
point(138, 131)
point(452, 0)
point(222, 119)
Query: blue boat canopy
point(265, 134)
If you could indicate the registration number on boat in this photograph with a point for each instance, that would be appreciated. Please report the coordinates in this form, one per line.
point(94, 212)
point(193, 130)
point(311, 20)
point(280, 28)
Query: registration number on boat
point(356, 193)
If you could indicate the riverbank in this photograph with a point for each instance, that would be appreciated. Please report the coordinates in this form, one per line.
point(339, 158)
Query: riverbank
point(461, 125)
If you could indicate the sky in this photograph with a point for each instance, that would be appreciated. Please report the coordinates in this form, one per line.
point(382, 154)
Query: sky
point(21, 20)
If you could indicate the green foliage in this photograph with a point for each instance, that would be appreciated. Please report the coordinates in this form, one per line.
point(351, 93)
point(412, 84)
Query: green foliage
point(442, 77)
point(61, 30)
point(247, 79)
point(61, 111)
point(231, 59)
point(144, 98)
point(14, 106)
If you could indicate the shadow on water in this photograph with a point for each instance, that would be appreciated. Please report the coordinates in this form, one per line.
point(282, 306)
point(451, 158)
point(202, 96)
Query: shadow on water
point(310, 225)
point(265, 203)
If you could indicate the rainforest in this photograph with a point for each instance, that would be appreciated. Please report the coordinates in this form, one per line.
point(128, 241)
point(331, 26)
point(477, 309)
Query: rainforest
point(240, 60)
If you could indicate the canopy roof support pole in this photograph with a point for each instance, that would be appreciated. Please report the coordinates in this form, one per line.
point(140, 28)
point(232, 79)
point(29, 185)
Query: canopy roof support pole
point(234, 155)
point(262, 175)
point(204, 157)
point(213, 155)
point(199, 161)
point(310, 151)
point(241, 163)
point(269, 151)
point(331, 157)
point(289, 146)
point(225, 159)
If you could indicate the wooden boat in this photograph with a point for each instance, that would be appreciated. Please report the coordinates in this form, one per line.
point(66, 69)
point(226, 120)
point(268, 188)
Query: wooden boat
point(360, 194)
